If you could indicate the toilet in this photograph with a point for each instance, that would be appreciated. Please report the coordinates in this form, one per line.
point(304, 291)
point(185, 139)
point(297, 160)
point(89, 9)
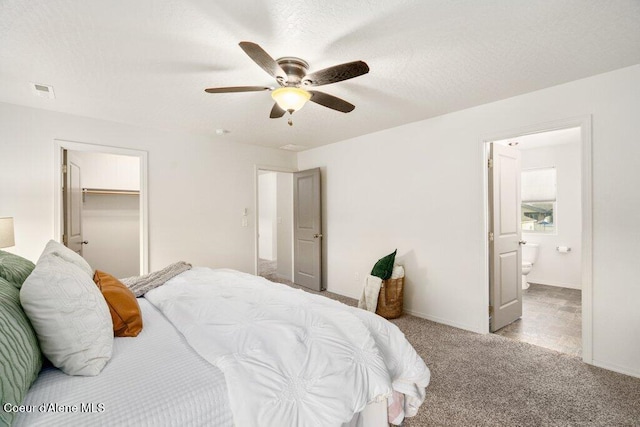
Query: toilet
point(529, 255)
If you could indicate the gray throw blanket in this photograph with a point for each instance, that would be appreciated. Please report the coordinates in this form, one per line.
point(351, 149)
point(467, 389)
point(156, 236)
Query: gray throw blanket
point(140, 285)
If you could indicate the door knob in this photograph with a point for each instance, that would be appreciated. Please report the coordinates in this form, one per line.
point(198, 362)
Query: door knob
point(85, 242)
point(315, 236)
point(522, 242)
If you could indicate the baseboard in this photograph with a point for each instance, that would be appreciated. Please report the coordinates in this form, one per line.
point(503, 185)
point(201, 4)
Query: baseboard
point(556, 284)
point(616, 368)
point(443, 321)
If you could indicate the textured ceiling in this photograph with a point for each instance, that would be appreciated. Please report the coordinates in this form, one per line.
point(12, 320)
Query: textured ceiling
point(148, 62)
point(544, 139)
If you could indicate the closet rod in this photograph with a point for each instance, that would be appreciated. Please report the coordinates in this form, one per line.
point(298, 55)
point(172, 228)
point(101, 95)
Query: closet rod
point(105, 191)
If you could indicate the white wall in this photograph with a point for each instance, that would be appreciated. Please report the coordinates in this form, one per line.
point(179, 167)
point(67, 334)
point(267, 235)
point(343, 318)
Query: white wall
point(419, 188)
point(111, 223)
point(111, 226)
point(109, 171)
point(285, 225)
point(552, 267)
point(198, 185)
point(267, 224)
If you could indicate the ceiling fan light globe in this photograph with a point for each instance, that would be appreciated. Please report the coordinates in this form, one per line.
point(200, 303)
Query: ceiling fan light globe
point(290, 98)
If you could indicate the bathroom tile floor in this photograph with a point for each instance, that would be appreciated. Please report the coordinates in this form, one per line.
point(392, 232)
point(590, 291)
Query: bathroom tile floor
point(551, 318)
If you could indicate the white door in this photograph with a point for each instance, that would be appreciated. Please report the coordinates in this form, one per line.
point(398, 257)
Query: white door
point(505, 256)
point(307, 225)
point(72, 202)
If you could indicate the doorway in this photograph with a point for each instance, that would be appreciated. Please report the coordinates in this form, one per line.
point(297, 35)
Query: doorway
point(275, 225)
point(554, 226)
point(289, 227)
point(102, 212)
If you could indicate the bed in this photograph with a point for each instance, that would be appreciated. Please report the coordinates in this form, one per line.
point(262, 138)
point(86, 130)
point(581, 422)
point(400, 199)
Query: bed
point(225, 348)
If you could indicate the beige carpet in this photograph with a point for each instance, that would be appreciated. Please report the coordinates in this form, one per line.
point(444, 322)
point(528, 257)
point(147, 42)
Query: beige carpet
point(489, 380)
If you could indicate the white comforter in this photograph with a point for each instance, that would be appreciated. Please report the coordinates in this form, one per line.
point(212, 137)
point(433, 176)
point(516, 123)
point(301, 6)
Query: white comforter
point(290, 358)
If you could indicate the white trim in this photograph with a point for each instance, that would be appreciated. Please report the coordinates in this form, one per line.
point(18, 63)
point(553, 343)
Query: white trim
point(616, 368)
point(443, 321)
point(257, 168)
point(584, 123)
point(59, 145)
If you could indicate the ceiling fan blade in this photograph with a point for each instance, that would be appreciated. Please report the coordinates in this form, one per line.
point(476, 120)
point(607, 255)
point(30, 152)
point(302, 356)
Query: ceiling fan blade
point(263, 59)
point(276, 112)
point(336, 73)
point(237, 89)
point(331, 101)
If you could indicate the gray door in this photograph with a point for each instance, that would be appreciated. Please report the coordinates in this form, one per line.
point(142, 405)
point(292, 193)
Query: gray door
point(505, 256)
point(307, 233)
point(72, 202)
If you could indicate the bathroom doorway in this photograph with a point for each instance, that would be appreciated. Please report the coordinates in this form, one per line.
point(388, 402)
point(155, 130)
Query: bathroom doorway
point(553, 248)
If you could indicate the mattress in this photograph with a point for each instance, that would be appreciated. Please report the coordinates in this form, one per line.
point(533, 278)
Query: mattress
point(155, 379)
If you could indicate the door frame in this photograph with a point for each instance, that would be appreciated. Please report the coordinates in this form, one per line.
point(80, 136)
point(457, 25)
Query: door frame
point(585, 125)
point(257, 168)
point(58, 227)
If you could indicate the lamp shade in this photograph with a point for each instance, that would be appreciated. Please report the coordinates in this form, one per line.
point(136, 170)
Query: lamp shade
point(290, 98)
point(6, 233)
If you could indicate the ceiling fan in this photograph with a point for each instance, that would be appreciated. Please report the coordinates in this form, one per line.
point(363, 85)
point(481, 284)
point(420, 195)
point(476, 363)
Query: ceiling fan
point(291, 74)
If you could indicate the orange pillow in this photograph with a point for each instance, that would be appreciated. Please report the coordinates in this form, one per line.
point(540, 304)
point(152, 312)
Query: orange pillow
point(124, 308)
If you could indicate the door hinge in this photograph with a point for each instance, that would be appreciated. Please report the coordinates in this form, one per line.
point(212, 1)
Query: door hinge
point(491, 236)
point(490, 310)
point(64, 239)
point(490, 163)
point(64, 168)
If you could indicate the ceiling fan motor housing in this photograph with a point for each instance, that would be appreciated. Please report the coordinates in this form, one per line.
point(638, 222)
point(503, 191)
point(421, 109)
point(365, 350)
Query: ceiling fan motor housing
point(295, 68)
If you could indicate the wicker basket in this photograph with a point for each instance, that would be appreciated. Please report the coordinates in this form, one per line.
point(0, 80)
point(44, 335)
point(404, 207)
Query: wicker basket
point(390, 298)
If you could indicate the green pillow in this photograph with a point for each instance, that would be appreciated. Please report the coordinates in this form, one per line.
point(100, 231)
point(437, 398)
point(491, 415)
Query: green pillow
point(14, 268)
point(20, 357)
point(384, 266)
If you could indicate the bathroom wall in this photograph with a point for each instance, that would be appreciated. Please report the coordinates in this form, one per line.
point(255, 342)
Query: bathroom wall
point(552, 267)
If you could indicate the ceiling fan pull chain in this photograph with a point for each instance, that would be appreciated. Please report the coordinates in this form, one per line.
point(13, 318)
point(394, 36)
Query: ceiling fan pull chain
point(290, 121)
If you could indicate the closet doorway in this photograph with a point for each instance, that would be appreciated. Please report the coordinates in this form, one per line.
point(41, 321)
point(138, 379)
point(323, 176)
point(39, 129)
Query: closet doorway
point(102, 208)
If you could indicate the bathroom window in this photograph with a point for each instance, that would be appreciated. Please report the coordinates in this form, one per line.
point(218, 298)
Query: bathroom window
point(538, 195)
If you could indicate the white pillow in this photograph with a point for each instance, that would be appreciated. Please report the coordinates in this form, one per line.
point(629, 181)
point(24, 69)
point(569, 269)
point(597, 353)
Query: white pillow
point(68, 255)
point(70, 316)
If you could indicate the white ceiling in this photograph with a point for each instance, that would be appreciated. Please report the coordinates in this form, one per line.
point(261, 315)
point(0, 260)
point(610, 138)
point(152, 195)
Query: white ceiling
point(148, 62)
point(544, 139)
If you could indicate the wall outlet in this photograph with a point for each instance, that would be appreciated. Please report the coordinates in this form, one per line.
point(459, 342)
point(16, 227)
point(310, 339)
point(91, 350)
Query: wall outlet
point(245, 222)
point(356, 277)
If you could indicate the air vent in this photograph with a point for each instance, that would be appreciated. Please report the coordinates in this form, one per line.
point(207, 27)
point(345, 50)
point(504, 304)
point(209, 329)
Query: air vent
point(44, 91)
point(293, 147)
